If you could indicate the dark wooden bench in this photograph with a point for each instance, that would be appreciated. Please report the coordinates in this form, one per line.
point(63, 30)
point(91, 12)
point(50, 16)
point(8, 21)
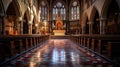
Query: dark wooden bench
point(105, 46)
point(12, 45)
point(113, 50)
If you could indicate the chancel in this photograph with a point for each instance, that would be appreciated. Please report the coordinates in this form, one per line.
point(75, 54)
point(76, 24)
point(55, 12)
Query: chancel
point(59, 30)
point(59, 33)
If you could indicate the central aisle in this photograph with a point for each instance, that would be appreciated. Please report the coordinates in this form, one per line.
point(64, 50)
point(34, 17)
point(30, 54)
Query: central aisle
point(58, 53)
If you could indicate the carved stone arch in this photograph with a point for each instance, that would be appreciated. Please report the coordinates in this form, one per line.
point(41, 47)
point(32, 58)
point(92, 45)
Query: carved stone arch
point(105, 8)
point(12, 14)
point(85, 23)
point(92, 13)
point(94, 19)
point(18, 7)
point(26, 18)
point(84, 17)
point(112, 16)
point(27, 15)
point(15, 5)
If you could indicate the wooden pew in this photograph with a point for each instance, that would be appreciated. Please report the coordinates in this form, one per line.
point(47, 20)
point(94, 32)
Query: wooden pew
point(113, 50)
point(2, 52)
point(11, 45)
point(105, 46)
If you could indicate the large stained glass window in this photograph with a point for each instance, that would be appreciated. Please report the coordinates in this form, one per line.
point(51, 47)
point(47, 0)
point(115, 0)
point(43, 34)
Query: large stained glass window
point(74, 14)
point(59, 8)
point(43, 10)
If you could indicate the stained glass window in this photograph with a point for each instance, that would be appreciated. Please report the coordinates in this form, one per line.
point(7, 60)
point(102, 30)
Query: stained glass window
point(59, 7)
point(74, 14)
point(43, 10)
point(54, 13)
point(64, 14)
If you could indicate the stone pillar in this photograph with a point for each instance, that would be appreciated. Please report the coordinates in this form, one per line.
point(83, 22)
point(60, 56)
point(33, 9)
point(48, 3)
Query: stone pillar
point(30, 28)
point(102, 26)
point(36, 26)
point(21, 25)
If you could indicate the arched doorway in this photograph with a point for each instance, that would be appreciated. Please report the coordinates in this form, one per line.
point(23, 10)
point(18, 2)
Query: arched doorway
point(96, 24)
point(113, 18)
point(11, 23)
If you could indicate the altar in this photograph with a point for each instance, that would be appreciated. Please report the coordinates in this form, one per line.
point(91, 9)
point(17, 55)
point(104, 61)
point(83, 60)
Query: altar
point(59, 32)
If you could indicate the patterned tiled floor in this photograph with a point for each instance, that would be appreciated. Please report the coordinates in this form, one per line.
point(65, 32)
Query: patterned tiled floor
point(59, 53)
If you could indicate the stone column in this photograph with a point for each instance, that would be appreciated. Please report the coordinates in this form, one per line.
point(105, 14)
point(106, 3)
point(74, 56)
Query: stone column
point(102, 26)
point(21, 25)
point(36, 26)
point(30, 27)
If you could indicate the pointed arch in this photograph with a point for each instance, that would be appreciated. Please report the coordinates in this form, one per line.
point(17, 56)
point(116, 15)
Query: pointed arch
point(85, 23)
point(92, 14)
point(25, 23)
point(84, 18)
point(94, 19)
point(27, 14)
point(105, 8)
point(12, 15)
point(113, 15)
point(16, 7)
